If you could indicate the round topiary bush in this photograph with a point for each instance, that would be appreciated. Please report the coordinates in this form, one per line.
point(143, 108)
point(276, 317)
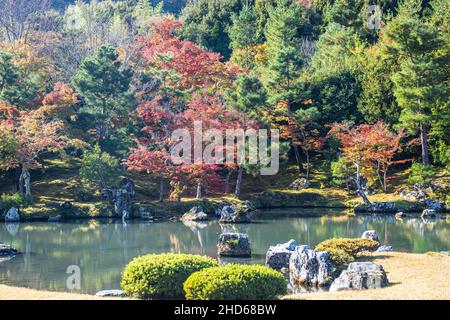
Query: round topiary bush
point(161, 276)
point(344, 250)
point(235, 282)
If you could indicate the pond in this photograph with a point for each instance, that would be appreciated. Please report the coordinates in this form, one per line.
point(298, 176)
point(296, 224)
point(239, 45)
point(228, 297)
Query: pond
point(102, 248)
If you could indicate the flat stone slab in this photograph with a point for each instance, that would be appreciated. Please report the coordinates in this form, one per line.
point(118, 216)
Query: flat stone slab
point(111, 293)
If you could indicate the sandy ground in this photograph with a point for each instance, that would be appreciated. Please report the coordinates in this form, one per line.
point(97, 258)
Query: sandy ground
point(411, 277)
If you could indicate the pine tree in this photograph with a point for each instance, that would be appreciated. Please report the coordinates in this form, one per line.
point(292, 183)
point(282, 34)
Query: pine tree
point(283, 52)
point(104, 84)
point(244, 36)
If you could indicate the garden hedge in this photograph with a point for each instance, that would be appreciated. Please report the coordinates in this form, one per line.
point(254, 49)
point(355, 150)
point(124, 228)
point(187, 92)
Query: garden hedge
point(161, 276)
point(235, 282)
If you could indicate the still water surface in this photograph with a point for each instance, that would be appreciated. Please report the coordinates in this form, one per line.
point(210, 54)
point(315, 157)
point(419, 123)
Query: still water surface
point(102, 248)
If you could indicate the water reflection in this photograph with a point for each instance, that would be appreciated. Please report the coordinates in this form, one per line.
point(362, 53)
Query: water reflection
point(102, 248)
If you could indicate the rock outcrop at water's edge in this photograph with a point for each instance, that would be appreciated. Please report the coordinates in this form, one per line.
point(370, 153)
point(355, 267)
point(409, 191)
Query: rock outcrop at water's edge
point(121, 199)
point(234, 245)
point(195, 214)
point(310, 268)
point(360, 276)
point(278, 256)
point(7, 250)
point(12, 215)
point(236, 214)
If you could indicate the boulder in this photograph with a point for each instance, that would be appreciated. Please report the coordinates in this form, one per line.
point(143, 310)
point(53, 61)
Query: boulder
point(308, 267)
point(436, 205)
point(377, 207)
point(235, 214)
point(400, 215)
point(122, 198)
point(428, 213)
point(7, 250)
point(57, 218)
point(111, 293)
point(145, 213)
point(277, 257)
point(300, 184)
point(12, 215)
point(370, 234)
point(195, 214)
point(234, 245)
point(360, 276)
point(384, 249)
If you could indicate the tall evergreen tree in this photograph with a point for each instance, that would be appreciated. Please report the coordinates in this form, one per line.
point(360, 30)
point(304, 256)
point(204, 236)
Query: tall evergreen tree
point(420, 82)
point(244, 36)
point(104, 83)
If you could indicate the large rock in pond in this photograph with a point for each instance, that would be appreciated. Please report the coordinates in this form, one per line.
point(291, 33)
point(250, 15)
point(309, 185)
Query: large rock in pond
point(235, 214)
point(309, 268)
point(278, 256)
point(7, 250)
point(300, 184)
point(12, 215)
point(195, 214)
point(370, 234)
point(234, 245)
point(360, 276)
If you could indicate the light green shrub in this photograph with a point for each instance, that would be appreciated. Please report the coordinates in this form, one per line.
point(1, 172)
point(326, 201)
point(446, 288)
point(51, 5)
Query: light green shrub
point(235, 282)
point(161, 276)
point(344, 250)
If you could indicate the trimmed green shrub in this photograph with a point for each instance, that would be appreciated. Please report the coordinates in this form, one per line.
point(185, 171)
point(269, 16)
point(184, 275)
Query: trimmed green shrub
point(161, 276)
point(235, 282)
point(344, 250)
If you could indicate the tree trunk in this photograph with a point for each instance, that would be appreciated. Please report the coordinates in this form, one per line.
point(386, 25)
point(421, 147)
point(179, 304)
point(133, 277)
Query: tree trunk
point(199, 190)
point(25, 179)
point(307, 164)
point(161, 189)
point(17, 173)
point(360, 190)
point(424, 143)
point(297, 157)
point(227, 182)
point(239, 181)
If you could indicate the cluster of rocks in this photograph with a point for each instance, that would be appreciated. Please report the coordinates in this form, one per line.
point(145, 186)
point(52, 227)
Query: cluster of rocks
point(300, 184)
point(234, 245)
point(307, 267)
point(314, 269)
point(376, 208)
point(121, 198)
point(195, 214)
point(360, 276)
